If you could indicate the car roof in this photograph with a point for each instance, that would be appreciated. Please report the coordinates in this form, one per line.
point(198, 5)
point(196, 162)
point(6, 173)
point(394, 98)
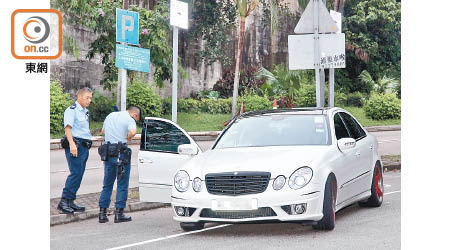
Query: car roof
point(300, 111)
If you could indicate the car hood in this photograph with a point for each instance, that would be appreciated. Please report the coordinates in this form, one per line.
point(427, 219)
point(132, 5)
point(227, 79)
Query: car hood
point(279, 160)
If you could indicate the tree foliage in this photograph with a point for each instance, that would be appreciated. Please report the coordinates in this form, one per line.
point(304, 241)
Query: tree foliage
point(99, 16)
point(372, 29)
point(212, 21)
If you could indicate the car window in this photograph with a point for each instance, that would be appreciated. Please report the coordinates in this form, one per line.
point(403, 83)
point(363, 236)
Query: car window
point(339, 128)
point(162, 136)
point(356, 130)
point(276, 130)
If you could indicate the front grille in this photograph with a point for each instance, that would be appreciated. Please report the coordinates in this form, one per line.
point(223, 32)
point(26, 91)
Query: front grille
point(237, 183)
point(243, 214)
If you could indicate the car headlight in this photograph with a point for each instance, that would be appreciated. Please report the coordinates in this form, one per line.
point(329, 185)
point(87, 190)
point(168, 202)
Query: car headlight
point(197, 184)
point(279, 182)
point(181, 181)
point(300, 177)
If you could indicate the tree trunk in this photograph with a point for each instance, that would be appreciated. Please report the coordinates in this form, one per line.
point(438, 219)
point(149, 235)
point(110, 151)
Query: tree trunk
point(238, 62)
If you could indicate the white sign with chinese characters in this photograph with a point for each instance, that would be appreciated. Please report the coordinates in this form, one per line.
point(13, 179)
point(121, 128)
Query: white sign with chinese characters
point(179, 14)
point(301, 51)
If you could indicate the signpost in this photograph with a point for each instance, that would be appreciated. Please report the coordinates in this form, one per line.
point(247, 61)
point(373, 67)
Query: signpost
point(178, 19)
point(319, 47)
point(127, 32)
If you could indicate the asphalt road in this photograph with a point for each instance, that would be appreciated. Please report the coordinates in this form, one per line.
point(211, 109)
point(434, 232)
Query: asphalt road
point(356, 228)
point(389, 142)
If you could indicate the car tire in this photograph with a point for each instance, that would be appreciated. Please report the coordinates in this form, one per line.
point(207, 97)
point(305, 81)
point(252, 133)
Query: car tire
point(191, 226)
point(377, 189)
point(329, 206)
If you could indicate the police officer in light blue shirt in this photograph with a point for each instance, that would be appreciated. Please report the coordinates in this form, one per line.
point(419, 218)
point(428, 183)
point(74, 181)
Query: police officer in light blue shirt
point(76, 143)
point(119, 127)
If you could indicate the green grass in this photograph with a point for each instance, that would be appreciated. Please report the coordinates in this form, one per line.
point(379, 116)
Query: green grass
point(200, 122)
point(359, 114)
point(210, 122)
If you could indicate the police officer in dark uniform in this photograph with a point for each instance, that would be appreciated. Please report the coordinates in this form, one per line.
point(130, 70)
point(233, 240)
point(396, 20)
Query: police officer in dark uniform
point(118, 128)
point(76, 143)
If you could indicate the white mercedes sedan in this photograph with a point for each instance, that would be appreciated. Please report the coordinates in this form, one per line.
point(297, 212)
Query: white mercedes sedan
point(298, 165)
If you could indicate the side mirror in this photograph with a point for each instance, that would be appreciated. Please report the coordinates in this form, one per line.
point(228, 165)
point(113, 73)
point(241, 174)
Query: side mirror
point(187, 149)
point(346, 143)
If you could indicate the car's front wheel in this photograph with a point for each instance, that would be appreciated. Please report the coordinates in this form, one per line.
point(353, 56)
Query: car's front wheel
point(377, 189)
point(191, 226)
point(329, 206)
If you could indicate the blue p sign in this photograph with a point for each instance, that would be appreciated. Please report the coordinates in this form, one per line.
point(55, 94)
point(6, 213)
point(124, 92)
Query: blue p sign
point(127, 26)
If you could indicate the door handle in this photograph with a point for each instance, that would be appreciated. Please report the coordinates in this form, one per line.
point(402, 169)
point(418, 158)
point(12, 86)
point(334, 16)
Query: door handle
point(358, 153)
point(141, 160)
point(371, 147)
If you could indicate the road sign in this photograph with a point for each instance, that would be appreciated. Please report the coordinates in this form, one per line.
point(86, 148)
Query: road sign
point(326, 24)
point(337, 17)
point(132, 58)
point(179, 14)
point(301, 51)
point(127, 26)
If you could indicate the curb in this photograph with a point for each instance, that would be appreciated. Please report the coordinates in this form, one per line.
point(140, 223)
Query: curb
point(392, 167)
point(203, 136)
point(384, 128)
point(93, 213)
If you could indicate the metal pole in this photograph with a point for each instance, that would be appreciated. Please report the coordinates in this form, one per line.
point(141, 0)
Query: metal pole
point(322, 87)
point(123, 92)
point(331, 88)
point(122, 80)
point(174, 74)
point(316, 51)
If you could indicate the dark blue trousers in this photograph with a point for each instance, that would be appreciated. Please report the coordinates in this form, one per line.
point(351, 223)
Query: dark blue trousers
point(77, 165)
point(111, 170)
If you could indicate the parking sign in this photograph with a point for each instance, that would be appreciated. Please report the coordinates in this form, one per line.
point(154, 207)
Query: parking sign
point(127, 26)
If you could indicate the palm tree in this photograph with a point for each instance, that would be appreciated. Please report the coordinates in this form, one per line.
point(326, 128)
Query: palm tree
point(284, 82)
point(244, 7)
point(382, 85)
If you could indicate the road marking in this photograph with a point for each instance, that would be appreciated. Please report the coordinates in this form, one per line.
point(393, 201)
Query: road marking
point(388, 141)
point(187, 233)
point(168, 237)
point(393, 192)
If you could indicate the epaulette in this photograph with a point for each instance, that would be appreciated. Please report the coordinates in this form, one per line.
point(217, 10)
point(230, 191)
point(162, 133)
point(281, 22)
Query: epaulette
point(73, 106)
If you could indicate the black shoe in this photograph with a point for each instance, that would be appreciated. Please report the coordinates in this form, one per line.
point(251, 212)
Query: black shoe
point(64, 207)
point(120, 216)
point(102, 218)
point(75, 207)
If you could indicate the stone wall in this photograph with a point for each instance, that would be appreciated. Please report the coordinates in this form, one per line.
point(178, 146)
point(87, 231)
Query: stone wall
point(75, 73)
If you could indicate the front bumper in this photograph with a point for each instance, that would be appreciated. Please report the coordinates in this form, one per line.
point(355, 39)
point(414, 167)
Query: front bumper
point(269, 206)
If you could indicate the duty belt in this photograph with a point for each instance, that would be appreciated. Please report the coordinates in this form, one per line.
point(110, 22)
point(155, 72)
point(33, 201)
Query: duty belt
point(83, 142)
point(78, 141)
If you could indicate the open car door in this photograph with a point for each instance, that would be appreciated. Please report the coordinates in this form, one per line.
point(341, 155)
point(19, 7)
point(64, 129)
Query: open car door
point(158, 158)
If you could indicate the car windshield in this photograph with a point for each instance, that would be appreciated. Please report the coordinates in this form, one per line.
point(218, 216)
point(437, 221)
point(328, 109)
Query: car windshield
point(276, 130)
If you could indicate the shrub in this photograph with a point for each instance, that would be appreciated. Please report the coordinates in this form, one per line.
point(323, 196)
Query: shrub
point(355, 99)
point(306, 96)
point(218, 106)
point(167, 105)
point(141, 94)
point(340, 98)
point(247, 82)
point(59, 102)
point(188, 105)
point(254, 102)
point(383, 106)
point(100, 106)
